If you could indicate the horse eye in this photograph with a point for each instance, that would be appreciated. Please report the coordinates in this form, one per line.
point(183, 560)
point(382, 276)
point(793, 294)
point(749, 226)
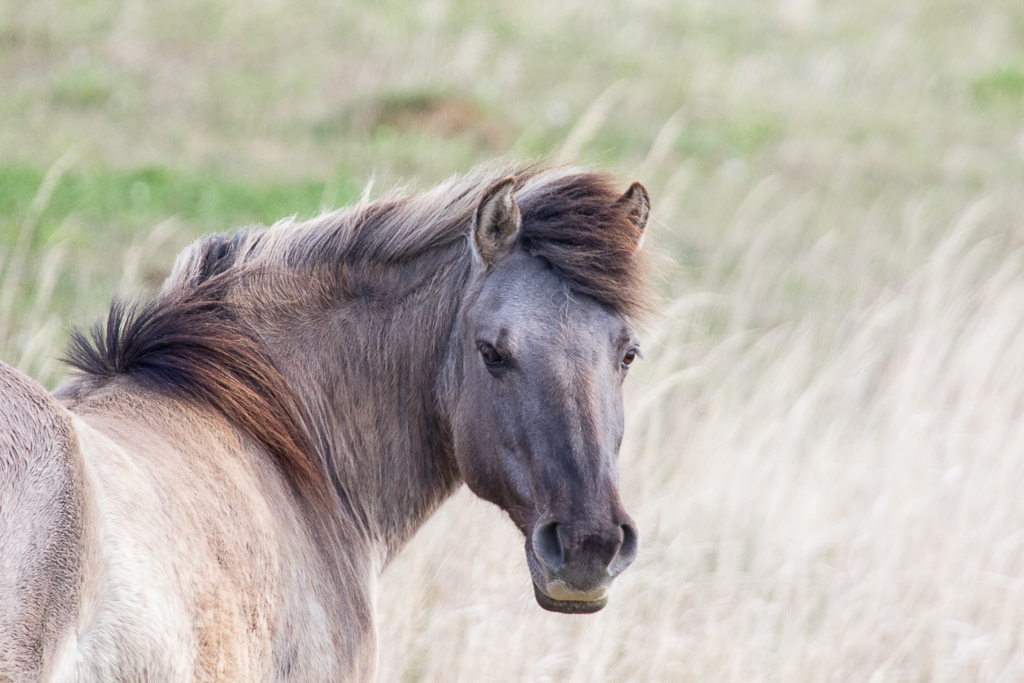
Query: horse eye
point(490, 354)
point(630, 356)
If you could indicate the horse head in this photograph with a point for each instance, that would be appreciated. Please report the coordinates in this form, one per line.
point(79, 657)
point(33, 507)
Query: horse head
point(538, 415)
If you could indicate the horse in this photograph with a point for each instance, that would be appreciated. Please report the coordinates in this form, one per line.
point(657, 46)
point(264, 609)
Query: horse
point(215, 492)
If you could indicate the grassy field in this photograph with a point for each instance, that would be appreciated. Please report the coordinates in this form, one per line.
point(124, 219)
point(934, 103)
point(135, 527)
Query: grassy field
point(826, 437)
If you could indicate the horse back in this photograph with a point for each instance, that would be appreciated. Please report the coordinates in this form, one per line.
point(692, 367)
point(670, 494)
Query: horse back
point(145, 539)
point(40, 527)
point(198, 562)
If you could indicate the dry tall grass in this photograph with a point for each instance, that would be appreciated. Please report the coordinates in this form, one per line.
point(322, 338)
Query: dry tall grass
point(825, 439)
point(810, 510)
point(828, 498)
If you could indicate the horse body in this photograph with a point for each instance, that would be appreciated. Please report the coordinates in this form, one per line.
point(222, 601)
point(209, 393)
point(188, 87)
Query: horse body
point(215, 496)
point(181, 554)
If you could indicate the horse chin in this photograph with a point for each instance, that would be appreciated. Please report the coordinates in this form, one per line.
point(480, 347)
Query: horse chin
point(568, 606)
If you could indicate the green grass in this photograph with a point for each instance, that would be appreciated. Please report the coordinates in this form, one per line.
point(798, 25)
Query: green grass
point(95, 216)
point(141, 197)
point(1001, 86)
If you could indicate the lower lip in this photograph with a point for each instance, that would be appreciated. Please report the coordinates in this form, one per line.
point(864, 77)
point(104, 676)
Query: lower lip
point(569, 606)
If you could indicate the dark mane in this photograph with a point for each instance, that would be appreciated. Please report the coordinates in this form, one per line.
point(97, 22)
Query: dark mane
point(196, 348)
point(197, 343)
point(576, 224)
point(572, 218)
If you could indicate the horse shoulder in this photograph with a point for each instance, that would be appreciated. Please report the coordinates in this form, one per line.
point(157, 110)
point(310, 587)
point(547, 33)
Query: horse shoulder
point(197, 563)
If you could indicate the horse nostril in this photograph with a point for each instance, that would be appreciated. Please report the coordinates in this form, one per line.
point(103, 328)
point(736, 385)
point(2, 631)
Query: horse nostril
point(548, 547)
point(627, 550)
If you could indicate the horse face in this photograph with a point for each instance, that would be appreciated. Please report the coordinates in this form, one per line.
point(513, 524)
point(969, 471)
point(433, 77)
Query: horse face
point(538, 425)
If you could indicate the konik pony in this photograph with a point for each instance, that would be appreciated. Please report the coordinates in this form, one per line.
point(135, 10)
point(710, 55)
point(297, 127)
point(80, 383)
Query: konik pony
point(215, 492)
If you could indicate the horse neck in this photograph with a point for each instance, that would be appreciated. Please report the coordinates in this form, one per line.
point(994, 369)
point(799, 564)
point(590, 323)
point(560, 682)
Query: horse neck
point(368, 369)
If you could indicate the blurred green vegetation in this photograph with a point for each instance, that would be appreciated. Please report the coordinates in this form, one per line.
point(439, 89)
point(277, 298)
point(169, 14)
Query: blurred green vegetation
point(827, 146)
point(825, 175)
point(1003, 85)
point(104, 216)
point(143, 197)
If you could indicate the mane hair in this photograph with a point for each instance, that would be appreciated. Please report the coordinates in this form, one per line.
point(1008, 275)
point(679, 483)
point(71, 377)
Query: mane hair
point(196, 348)
point(575, 222)
point(571, 218)
point(197, 341)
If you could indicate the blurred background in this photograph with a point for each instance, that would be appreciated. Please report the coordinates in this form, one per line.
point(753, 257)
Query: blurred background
point(825, 443)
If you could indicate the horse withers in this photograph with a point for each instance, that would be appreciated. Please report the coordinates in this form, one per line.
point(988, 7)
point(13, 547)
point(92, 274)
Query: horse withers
point(214, 494)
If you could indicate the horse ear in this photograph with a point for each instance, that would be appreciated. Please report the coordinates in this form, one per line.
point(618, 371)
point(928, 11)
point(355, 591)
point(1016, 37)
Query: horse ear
point(637, 205)
point(496, 223)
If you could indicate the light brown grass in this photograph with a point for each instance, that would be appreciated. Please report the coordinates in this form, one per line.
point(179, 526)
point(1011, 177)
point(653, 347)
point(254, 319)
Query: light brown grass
point(809, 511)
point(825, 442)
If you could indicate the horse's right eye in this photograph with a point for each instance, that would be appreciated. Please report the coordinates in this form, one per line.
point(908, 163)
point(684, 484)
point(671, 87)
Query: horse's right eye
point(490, 354)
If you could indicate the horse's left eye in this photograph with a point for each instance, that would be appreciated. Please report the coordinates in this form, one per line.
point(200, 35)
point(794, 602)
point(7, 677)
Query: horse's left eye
point(628, 359)
point(490, 354)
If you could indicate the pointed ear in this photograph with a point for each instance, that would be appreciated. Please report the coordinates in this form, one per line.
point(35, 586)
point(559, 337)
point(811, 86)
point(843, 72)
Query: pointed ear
point(496, 223)
point(637, 205)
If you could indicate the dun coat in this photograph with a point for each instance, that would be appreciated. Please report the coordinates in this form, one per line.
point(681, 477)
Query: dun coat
point(213, 496)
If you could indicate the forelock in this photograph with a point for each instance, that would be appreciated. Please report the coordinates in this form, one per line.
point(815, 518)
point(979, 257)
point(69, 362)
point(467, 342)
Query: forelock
point(572, 219)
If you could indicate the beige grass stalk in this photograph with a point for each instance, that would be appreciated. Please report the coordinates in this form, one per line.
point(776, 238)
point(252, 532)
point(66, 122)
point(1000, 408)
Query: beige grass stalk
point(589, 124)
point(15, 261)
point(141, 248)
point(41, 333)
point(807, 514)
